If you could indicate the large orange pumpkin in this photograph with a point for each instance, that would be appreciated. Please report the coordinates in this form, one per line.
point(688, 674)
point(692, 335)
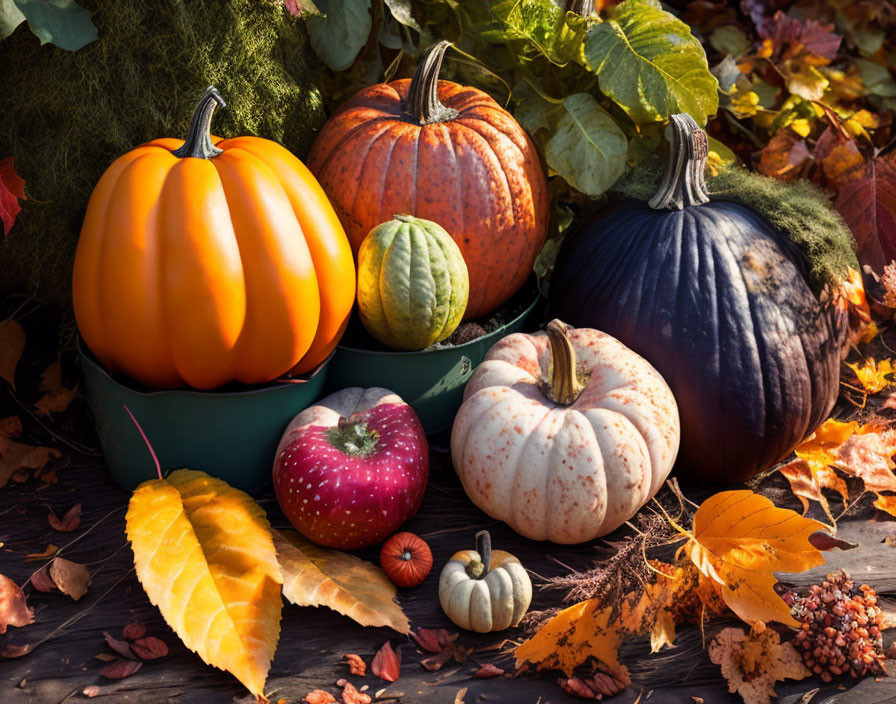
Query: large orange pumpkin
point(443, 152)
point(207, 261)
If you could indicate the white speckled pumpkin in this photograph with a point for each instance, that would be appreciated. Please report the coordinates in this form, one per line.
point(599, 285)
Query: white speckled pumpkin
point(484, 591)
point(564, 435)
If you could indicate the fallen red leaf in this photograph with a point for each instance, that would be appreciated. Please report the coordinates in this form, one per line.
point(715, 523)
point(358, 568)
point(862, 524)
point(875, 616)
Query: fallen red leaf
point(11, 427)
point(119, 646)
point(350, 695)
point(42, 581)
point(826, 541)
point(12, 190)
point(576, 687)
point(356, 665)
point(433, 640)
point(488, 670)
point(133, 631)
point(868, 205)
point(435, 662)
point(120, 669)
point(69, 522)
point(14, 609)
point(149, 648)
point(386, 663)
point(319, 696)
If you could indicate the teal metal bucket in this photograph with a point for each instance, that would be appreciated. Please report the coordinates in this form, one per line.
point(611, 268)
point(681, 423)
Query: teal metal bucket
point(432, 380)
point(228, 434)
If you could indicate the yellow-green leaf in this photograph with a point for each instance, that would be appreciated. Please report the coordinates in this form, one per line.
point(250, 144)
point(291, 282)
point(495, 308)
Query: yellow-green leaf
point(315, 576)
point(204, 554)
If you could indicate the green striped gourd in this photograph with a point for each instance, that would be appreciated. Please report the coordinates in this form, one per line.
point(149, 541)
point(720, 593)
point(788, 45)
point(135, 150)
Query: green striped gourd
point(412, 283)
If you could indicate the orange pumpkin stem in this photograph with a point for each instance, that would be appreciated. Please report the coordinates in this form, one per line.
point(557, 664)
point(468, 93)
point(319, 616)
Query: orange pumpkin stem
point(198, 143)
point(684, 182)
point(565, 385)
point(422, 103)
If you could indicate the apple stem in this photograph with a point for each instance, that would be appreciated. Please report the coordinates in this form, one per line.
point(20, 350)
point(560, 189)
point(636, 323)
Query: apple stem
point(353, 437)
point(146, 440)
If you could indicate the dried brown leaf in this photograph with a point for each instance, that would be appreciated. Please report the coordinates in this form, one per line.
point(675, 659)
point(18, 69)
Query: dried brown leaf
point(149, 648)
point(119, 646)
point(120, 669)
point(751, 664)
point(133, 631)
point(42, 581)
point(71, 577)
point(488, 670)
point(459, 697)
point(14, 609)
point(69, 522)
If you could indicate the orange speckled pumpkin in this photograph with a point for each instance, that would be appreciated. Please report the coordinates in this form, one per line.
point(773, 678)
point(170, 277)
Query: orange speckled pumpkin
point(406, 559)
point(207, 261)
point(443, 152)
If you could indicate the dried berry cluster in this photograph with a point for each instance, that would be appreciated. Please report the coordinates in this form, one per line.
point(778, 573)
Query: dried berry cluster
point(841, 628)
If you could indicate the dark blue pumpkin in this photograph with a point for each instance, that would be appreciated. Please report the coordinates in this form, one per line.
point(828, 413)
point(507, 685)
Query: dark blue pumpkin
point(716, 298)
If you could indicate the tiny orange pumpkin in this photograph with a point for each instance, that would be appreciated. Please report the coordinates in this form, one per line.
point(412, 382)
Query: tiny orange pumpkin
point(406, 559)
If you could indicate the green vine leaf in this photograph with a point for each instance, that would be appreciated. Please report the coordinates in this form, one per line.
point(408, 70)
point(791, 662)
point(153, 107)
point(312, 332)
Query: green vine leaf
point(649, 63)
point(63, 23)
point(588, 149)
point(552, 32)
point(401, 11)
point(341, 33)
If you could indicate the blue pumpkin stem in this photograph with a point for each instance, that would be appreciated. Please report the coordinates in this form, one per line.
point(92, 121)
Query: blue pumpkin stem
point(684, 183)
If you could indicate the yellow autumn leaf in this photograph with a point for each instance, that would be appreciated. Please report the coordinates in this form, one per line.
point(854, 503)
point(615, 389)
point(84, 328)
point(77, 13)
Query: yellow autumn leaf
point(873, 375)
point(595, 628)
point(584, 632)
point(739, 540)
point(886, 502)
point(315, 576)
point(204, 554)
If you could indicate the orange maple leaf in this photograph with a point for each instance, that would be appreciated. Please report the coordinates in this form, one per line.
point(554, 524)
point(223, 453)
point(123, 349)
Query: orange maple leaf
point(739, 540)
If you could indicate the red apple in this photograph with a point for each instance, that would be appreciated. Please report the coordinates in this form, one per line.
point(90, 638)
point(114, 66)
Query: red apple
point(352, 468)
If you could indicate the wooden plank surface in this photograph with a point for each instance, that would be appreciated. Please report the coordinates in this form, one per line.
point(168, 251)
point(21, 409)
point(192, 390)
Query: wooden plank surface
point(313, 641)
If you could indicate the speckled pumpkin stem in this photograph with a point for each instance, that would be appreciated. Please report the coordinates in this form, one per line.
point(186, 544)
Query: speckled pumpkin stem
point(684, 183)
point(422, 104)
point(478, 570)
point(199, 139)
point(565, 384)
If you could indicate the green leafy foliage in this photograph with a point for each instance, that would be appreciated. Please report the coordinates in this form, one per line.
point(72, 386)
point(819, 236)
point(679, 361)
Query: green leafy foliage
point(338, 35)
point(587, 147)
point(588, 118)
point(63, 23)
point(648, 62)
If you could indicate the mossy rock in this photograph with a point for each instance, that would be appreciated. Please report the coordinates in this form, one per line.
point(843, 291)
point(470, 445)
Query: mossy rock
point(68, 115)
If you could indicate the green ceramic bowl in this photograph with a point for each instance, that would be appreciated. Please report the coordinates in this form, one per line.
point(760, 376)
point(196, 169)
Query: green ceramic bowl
point(432, 380)
point(229, 433)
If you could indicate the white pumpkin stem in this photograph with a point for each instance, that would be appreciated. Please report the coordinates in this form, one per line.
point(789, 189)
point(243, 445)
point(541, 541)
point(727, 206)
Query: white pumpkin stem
point(684, 183)
point(478, 570)
point(565, 384)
